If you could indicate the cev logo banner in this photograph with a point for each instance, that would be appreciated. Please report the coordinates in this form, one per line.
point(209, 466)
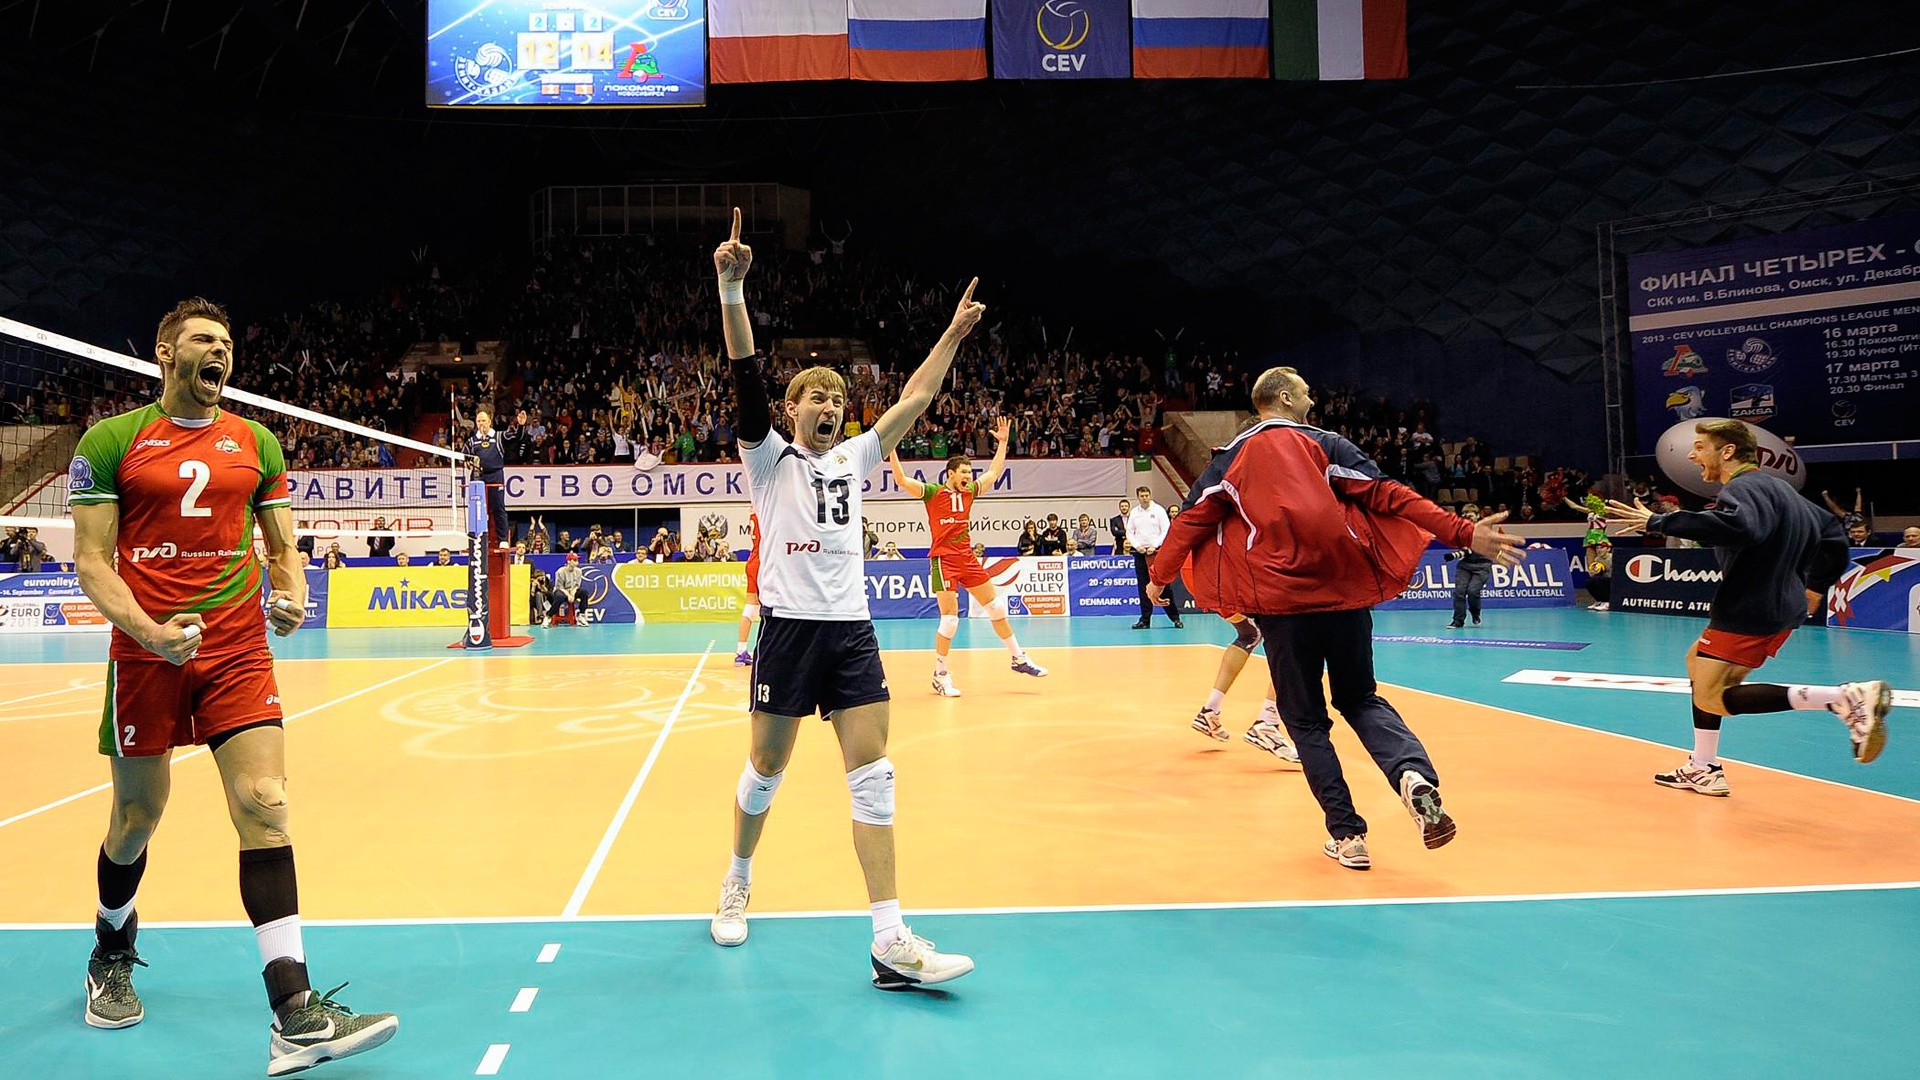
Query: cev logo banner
point(1062, 39)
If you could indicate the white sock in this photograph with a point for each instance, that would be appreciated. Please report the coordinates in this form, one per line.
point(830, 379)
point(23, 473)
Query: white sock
point(279, 938)
point(1813, 697)
point(117, 918)
point(1013, 646)
point(1214, 699)
point(887, 923)
point(741, 869)
point(1706, 746)
point(939, 664)
point(743, 645)
point(1270, 712)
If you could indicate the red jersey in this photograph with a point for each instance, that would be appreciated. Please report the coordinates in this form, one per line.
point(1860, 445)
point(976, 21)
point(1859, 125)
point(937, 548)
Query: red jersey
point(949, 513)
point(187, 492)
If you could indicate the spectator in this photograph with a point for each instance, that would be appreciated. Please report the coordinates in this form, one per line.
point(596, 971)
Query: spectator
point(1910, 537)
point(1085, 536)
point(1117, 527)
point(402, 560)
point(379, 547)
point(569, 588)
point(891, 551)
point(540, 596)
point(332, 561)
point(870, 538)
point(1053, 539)
point(445, 558)
point(1029, 542)
point(661, 547)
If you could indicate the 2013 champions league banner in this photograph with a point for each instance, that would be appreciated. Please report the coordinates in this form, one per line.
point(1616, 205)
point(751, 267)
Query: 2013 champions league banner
point(541, 53)
point(1814, 334)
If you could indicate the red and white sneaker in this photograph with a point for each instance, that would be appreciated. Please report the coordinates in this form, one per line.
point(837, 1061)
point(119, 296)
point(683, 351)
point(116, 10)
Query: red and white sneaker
point(1863, 708)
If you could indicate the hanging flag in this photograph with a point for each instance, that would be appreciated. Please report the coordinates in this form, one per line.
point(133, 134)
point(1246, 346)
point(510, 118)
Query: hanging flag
point(1061, 39)
point(1200, 39)
point(776, 40)
point(1339, 39)
point(918, 40)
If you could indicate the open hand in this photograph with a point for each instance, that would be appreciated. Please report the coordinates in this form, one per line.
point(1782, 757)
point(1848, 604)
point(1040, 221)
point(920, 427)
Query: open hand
point(1490, 540)
point(1002, 430)
point(1628, 520)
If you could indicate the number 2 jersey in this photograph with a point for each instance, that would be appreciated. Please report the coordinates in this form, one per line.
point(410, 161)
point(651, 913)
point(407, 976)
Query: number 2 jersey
point(812, 562)
point(187, 491)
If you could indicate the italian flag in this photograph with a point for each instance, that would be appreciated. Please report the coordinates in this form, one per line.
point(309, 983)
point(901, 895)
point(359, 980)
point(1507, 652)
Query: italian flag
point(1339, 39)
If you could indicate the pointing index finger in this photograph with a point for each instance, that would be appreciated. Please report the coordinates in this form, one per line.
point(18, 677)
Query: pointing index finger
point(967, 297)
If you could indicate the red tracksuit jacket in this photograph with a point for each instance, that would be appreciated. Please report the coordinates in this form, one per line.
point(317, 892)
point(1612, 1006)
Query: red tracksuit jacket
point(1290, 519)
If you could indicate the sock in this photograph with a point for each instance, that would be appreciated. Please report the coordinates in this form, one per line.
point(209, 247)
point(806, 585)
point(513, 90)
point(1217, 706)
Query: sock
point(270, 893)
point(743, 644)
point(1270, 712)
point(1756, 698)
point(887, 923)
point(1813, 697)
point(118, 884)
point(1706, 737)
point(939, 664)
point(1214, 698)
point(741, 869)
point(1013, 646)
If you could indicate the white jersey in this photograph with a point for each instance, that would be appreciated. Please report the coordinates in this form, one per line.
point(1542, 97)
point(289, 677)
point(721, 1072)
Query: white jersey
point(812, 562)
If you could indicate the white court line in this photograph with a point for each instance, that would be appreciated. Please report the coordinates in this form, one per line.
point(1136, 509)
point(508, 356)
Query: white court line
point(1658, 684)
point(490, 1062)
point(599, 859)
point(197, 751)
point(523, 1000)
point(1070, 909)
point(62, 690)
point(548, 952)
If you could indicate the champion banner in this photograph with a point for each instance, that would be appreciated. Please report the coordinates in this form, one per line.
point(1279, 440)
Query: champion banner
point(1061, 39)
point(917, 40)
point(777, 40)
point(1200, 39)
point(1339, 39)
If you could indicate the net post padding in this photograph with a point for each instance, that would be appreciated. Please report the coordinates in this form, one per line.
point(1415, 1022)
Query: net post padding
point(489, 585)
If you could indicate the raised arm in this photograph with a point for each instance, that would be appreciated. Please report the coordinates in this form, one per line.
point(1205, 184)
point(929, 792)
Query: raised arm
point(925, 381)
point(1002, 430)
point(907, 483)
point(731, 260)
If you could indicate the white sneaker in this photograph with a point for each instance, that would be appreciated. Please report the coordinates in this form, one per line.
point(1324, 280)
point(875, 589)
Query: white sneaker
point(1350, 852)
point(729, 926)
point(1269, 736)
point(1207, 722)
point(1422, 800)
point(1699, 779)
point(912, 961)
point(1863, 708)
point(943, 685)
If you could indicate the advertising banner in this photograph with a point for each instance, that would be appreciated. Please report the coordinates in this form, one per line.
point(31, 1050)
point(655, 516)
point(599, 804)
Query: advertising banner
point(1665, 581)
point(1881, 591)
point(397, 596)
point(1062, 39)
point(997, 522)
point(1543, 580)
point(1030, 586)
point(897, 589)
point(1103, 586)
point(46, 603)
point(682, 592)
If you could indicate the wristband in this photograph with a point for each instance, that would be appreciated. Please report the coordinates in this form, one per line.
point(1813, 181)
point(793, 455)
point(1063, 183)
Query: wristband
point(732, 293)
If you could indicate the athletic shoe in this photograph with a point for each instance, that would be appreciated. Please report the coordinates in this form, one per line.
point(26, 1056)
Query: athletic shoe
point(1024, 666)
point(912, 961)
point(1270, 737)
point(1178, 625)
point(1710, 780)
point(1142, 625)
point(729, 925)
point(743, 658)
point(111, 1000)
point(1423, 802)
point(1207, 722)
point(1476, 620)
point(1350, 852)
point(943, 685)
point(1863, 707)
point(322, 1029)
point(1456, 626)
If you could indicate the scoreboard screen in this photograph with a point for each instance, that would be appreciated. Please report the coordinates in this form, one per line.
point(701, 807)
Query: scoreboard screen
point(558, 53)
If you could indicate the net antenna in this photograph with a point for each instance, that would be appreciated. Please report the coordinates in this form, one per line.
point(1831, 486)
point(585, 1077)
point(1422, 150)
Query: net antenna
point(52, 387)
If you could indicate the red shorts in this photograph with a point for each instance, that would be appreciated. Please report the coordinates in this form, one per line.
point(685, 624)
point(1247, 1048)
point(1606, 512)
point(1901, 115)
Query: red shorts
point(753, 573)
point(153, 706)
point(951, 573)
point(1744, 650)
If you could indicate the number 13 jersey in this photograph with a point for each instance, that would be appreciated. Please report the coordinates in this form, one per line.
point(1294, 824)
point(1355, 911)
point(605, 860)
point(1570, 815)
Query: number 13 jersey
point(187, 492)
point(812, 544)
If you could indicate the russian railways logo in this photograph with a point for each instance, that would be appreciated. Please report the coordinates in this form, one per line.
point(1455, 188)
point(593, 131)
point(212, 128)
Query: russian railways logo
point(167, 550)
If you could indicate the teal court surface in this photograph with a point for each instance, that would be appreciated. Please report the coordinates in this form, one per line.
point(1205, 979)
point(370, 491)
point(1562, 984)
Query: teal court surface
point(518, 853)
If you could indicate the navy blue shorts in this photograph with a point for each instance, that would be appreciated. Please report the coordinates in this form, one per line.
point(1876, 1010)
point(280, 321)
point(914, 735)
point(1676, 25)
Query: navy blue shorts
point(805, 665)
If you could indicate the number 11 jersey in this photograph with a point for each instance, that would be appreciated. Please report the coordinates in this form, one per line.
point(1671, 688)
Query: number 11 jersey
point(812, 557)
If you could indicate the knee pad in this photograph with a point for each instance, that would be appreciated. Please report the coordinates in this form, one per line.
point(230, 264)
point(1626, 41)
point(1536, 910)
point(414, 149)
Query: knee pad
point(751, 611)
point(756, 792)
point(997, 608)
point(1246, 636)
point(949, 625)
point(264, 799)
point(872, 788)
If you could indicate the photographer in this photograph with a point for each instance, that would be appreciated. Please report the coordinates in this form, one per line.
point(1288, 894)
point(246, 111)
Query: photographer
point(1469, 578)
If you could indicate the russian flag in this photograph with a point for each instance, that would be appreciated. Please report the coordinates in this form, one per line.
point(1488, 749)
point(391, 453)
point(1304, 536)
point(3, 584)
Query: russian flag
point(753, 41)
point(918, 40)
point(1200, 39)
point(1339, 39)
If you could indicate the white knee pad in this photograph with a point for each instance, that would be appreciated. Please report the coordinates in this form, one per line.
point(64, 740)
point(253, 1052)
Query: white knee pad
point(756, 791)
point(751, 611)
point(949, 625)
point(997, 608)
point(872, 787)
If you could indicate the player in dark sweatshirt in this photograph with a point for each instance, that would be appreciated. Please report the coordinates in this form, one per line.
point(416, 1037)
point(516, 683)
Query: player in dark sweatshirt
point(1778, 554)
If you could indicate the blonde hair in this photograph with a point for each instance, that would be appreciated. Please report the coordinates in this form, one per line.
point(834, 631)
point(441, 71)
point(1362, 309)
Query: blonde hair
point(816, 378)
point(1272, 382)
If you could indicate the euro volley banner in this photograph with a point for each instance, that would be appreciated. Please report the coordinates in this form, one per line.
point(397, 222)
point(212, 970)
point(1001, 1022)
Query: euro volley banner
point(1201, 39)
point(46, 603)
point(1106, 585)
point(917, 40)
point(1031, 585)
point(1543, 579)
point(1061, 39)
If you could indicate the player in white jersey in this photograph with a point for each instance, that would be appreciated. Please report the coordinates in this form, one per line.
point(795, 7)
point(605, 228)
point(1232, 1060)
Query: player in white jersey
point(817, 648)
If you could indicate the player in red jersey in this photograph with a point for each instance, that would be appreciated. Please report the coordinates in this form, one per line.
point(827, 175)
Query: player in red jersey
point(164, 503)
point(954, 565)
point(751, 612)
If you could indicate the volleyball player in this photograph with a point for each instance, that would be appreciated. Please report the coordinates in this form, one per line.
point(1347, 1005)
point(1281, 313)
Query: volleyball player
point(1267, 733)
point(1778, 553)
point(170, 491)
point(750, 613)
point(952, 565)
point(817, 647)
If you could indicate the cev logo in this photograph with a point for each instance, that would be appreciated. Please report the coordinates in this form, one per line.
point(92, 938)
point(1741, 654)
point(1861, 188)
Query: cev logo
point(167, 550)
point(1063, 26)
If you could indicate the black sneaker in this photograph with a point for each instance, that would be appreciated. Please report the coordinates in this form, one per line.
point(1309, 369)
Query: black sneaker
point(111, 1000)
point(1178, 625)
point(1456, 626)
point(1476, 620)
point(1141, 625)
point(321, 1029)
